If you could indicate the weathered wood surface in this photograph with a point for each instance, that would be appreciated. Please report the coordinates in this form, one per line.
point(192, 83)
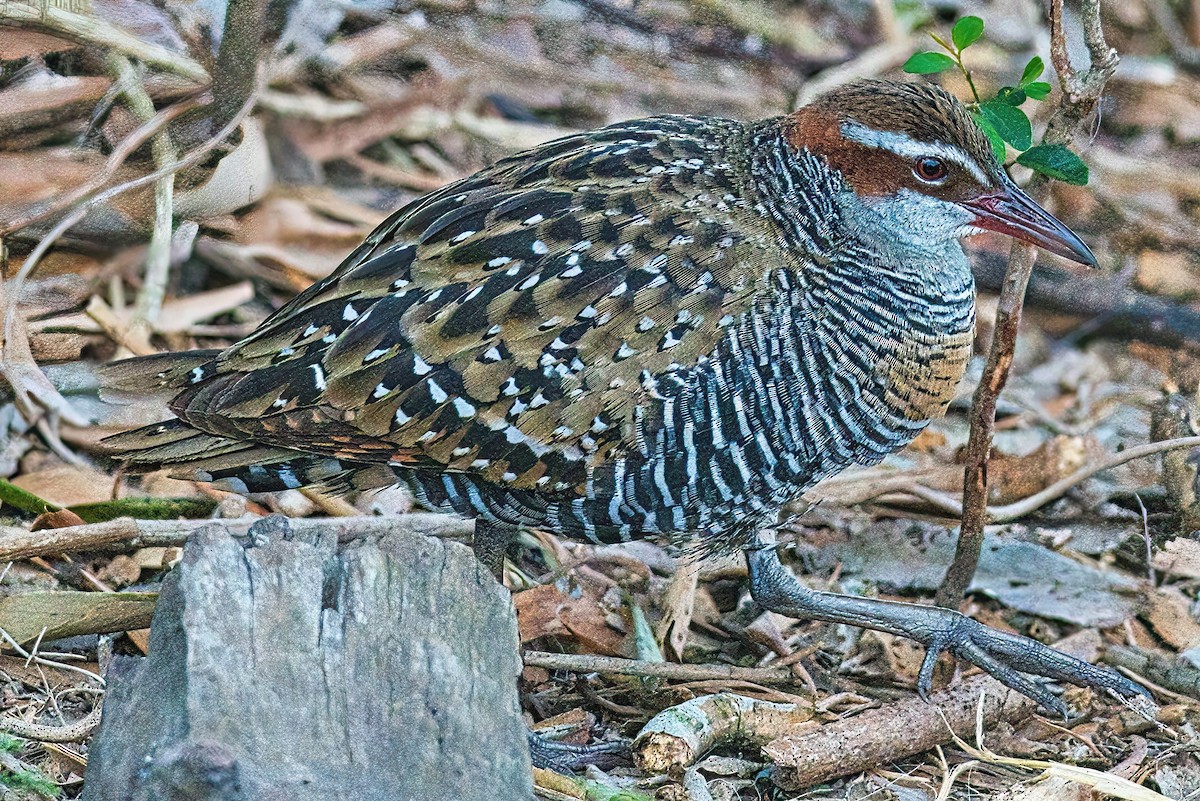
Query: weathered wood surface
point(280, 668)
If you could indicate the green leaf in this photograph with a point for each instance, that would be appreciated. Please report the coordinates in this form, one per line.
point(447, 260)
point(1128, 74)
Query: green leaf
point(966, 32)
point(1038, 90)
point(1011, 123)
point(1011, 95)
point(990, 132)
point(1033, 70)
point(927, 63)
point(1057, 162)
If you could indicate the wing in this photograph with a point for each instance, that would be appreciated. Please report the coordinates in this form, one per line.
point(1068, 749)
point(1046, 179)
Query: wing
point(514, 324)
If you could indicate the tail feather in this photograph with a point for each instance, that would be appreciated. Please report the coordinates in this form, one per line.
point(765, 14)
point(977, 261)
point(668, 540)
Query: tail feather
point(158, 373)
point(301, 470)
point(171, 442)
point(238, 465)
point(191, 454)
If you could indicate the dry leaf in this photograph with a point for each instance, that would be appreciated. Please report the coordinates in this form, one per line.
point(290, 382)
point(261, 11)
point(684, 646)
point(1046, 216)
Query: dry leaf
point(1169, 614)
point(1179, 557)
point(678, 601)
point(67, 485)
point(61, 518)
point(140, 638)
point(1011, 478)
point(121, 571)
point(20, 43)
point(43, 101)
point(545, 610)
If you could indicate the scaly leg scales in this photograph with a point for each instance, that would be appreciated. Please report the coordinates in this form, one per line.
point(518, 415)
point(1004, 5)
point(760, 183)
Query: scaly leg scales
point(1005, 656)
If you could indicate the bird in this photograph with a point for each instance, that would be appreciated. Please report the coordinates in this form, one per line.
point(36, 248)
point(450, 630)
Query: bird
point(668, 327)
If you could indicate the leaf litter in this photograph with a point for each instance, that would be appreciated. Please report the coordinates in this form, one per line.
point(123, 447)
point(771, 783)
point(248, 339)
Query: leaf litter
point(371, 109)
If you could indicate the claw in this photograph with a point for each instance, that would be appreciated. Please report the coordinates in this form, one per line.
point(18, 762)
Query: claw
point(967, 650)
point(925, 674)
point(972, 652)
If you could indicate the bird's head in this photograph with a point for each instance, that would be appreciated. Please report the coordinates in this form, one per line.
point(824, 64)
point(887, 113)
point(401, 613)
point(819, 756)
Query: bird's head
point(914, 156)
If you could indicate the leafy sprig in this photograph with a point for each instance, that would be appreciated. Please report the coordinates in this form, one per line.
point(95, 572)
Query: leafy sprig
point(1000, 117)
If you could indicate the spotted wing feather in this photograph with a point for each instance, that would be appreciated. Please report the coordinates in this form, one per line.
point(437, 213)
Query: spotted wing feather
point(509, 325)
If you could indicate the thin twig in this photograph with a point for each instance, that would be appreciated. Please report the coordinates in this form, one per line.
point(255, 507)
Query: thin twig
point(1147, 542)
point(1029, 504)
point(116, 329)
point(158, 252)
point(41, 660)
point(590, 663)
point(1080, 94)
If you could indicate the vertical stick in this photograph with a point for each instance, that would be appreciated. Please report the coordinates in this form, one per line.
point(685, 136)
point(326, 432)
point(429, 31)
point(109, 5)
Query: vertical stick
point(1080, 93)
point(237, 62)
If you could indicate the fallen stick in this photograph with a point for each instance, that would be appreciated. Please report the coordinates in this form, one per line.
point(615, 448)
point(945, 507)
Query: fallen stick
point(887, 734)
point(75, 732)
point(589, 663)
point(678, 736)
point(126, 534)
point(896, 731)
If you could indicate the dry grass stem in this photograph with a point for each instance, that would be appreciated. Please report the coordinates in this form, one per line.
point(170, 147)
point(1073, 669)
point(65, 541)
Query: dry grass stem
point(158, 251)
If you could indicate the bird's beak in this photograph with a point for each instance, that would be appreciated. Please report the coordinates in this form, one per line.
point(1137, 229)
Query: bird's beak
point(1011, 211)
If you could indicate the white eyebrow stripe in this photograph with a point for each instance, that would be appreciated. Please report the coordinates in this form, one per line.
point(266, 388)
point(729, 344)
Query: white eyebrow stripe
point(906, 146)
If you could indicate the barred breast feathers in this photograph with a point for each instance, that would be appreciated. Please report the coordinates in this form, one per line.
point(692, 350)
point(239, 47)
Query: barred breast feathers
point(888, 327)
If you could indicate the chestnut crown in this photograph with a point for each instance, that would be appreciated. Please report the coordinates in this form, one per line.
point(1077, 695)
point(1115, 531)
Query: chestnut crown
point(912, 154)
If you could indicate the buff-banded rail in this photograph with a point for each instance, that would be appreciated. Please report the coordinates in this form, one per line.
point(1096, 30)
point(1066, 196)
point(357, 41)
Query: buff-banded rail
point(670, 327)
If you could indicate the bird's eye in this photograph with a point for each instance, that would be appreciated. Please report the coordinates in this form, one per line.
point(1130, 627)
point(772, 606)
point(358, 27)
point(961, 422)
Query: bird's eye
point(930, 170)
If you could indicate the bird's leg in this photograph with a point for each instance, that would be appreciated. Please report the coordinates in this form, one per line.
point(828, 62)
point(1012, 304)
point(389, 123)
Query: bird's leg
point(1005, 656)
point(491, 543)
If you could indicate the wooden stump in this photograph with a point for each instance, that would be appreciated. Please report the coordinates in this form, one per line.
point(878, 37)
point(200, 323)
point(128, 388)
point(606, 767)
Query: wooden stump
point(283, 669)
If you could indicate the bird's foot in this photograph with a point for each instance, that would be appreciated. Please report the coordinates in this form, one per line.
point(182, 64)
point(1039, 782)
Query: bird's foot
point(1007, 657)
point(566, 757)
